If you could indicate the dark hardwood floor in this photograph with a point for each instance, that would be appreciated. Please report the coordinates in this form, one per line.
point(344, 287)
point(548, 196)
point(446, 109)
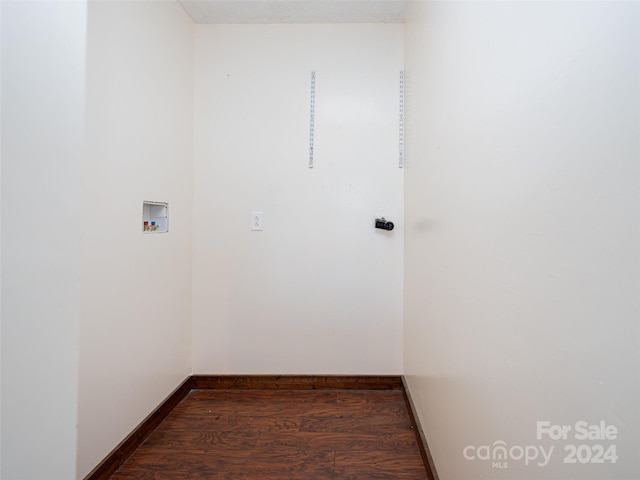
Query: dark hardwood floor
point(281, 434)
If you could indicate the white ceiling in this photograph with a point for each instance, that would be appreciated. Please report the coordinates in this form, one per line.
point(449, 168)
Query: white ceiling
point(296, 11)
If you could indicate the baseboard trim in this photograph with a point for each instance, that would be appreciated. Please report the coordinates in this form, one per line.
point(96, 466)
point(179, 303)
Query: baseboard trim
point(298, 382)
point(124, 449)
point(107, 467)
point(427, 459)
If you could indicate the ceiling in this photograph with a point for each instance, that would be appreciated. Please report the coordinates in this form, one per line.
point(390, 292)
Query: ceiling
point(296, 11)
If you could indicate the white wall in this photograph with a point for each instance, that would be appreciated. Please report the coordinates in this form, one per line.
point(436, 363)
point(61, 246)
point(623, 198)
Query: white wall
point(43, 60)
point(0, 251)
point(522, 229)
point(136, 299)
point(319, 290)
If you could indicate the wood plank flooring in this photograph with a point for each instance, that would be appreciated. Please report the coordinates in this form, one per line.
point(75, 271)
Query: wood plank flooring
point(281, 434)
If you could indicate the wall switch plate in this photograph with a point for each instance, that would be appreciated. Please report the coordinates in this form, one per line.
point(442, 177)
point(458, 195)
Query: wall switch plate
point(256, 221)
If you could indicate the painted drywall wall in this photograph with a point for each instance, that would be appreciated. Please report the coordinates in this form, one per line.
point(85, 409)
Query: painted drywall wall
point(0, 251)
point(522, 233)
point(136, 298)
point(43, 61)
point(319, 290)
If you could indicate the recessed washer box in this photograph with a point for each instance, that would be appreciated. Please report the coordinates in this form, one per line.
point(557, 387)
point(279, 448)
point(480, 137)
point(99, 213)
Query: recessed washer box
point(155, 217)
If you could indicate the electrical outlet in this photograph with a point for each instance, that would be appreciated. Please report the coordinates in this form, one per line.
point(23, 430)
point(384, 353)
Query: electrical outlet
point(256, 221)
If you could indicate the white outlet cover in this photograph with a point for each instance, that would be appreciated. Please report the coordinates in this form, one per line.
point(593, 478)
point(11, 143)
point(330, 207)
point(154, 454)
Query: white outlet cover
point(257, 221)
